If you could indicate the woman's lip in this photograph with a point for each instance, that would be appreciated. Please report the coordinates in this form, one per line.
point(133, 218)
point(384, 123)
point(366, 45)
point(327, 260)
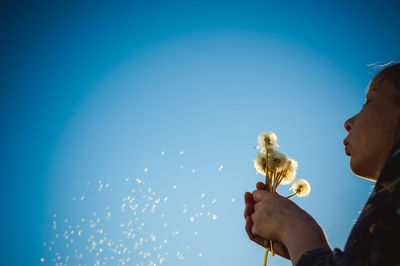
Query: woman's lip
point(347, 151)
point(345, 143)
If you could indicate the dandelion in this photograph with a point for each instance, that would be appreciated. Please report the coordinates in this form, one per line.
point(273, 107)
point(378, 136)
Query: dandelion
point(260, 163)
point(277, 160)
point(289, 173)
point(267, 141)
point(277, 169)
point(301, 188)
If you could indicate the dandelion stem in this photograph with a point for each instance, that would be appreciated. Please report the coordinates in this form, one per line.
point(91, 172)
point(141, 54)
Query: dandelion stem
point(266, 256)
point(266, 170)
point(288, 197)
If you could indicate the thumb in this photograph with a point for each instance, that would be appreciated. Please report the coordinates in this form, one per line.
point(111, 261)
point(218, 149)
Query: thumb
point(259, 195)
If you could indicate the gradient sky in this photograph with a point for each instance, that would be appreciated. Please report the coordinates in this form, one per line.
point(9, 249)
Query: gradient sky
point(99, 99)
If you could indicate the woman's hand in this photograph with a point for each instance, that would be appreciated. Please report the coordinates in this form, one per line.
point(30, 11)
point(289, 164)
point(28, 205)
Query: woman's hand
point(278, 247)
point(280, 219)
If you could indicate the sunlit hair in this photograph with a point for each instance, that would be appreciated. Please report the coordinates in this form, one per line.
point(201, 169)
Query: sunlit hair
point(388, 77)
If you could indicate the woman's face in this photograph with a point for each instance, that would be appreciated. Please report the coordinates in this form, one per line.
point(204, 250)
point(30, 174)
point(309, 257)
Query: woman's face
point(373, 131)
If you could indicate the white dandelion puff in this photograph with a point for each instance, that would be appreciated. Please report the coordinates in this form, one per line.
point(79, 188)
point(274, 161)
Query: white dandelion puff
point(290, 173)
point(267, 141)
point(220, 168)
point(301, 188)
point(260, 163)
point(277, 160)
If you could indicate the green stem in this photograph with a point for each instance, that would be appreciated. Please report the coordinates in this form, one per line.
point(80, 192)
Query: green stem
point(288, 197)
point(266, 256)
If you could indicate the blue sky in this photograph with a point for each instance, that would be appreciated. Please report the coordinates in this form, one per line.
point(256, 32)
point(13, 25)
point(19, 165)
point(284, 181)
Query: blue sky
point(92, 94)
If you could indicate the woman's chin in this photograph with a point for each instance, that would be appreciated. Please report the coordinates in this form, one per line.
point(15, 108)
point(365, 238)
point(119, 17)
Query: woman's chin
point(360, 170)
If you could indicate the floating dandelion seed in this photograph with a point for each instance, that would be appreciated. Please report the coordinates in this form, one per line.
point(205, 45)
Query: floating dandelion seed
point(162, 153)
point(301, 188)
point(41, 260)
point(82, 197)
point(193, 170)
point(202, 196)
point(181, 152)
point(214, 201)
point(220, 168)
point(174, 186)
point(214, 217)
point(146, 170)
point(127, 179)
point(179, 256)
point(233, 199)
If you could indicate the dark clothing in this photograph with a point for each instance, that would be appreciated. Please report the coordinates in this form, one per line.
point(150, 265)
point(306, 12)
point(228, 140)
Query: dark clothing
point(375, 237)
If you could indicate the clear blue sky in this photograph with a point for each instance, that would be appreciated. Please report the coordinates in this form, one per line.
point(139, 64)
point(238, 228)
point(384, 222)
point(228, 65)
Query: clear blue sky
point(93, 93)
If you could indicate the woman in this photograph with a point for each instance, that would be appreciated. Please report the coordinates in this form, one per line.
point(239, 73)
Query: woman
point(373, 143)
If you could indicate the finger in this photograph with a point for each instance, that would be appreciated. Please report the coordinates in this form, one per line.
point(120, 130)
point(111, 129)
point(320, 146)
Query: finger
point(261, 186)
point(280, 249)
point(248, 210)
point(248, 198)
point(259, 205)
point(249, 225)
point(259, 195)
point(261, 241)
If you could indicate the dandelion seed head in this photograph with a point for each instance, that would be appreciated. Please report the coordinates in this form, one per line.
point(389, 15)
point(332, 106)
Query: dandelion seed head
point(277, 160)
point(267, 141)
point(288, 178)
point(260, 163)
point(301, 187)
point(290, 173)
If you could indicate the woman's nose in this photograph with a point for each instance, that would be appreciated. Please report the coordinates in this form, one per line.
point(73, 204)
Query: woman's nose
point(349, 123)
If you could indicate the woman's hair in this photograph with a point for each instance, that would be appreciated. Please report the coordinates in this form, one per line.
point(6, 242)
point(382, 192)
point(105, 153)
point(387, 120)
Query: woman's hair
point(389, 76)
